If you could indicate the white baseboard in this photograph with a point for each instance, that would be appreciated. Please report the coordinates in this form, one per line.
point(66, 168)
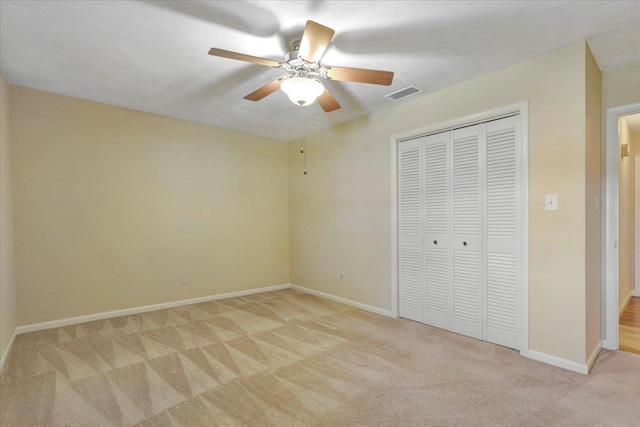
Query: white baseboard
point(594, 355)
point(355, 304)
point(625, 304)
point(580, 368)
point(143, 309)
point(135, 310)
point(635, 293)
point(5, 355)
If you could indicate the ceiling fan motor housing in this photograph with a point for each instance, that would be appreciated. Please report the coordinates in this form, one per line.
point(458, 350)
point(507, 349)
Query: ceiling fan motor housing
point(291, 55)
point(294, 52)
point(297, 66)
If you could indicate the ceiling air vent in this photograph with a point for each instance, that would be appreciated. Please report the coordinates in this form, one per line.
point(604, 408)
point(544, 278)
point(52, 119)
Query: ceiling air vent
point(403, 93)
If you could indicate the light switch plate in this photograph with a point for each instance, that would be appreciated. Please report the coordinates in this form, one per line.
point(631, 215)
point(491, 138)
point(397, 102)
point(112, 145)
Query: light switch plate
point(551, 202)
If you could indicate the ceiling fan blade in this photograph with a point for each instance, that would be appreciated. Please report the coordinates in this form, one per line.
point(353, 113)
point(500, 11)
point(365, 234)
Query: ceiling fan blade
point(361, 75)
point(315, 40)
point(327, 101)
point(265, 90)
point(242, 57)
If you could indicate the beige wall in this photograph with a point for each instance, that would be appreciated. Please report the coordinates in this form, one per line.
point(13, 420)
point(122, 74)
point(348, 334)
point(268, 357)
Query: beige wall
point(113, 205)
point(593, 85)
point(8, 314)
point(626, 194)
point(621, 86)
point(340, 212)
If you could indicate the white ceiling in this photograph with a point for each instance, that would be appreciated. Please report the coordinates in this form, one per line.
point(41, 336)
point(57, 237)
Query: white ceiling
point(152, 56)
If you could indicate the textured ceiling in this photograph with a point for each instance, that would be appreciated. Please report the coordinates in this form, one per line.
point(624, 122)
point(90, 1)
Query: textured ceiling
point(152, 56)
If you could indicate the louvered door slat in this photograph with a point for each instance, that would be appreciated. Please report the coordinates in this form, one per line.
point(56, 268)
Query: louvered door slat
point(501, 312)
point(410, 213)
point(437, 224)
point(466, 193)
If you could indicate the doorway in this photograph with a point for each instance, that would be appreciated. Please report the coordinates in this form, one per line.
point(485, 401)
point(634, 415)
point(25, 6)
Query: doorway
point(622, 144)
point(629, 301)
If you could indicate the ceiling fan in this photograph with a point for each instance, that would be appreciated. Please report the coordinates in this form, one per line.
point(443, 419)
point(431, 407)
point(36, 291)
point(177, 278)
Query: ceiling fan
point(302, 83)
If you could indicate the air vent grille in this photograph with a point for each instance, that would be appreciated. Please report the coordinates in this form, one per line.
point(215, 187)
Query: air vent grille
point(403, 93)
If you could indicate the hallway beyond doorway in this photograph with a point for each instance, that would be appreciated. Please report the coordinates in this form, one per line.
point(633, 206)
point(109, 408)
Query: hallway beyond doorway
point(630, 327)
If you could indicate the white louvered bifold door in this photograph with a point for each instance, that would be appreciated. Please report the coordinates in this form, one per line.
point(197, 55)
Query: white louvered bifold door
point(466, 242)
point(437, 223)
point(460, 230)
point(411, 281)
point(501, 207)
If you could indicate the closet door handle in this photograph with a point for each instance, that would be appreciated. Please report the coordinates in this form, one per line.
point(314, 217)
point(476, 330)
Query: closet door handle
point(464, 243)
point(435, 242)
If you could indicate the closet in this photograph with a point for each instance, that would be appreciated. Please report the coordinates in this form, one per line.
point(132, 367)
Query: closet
point(459, 230)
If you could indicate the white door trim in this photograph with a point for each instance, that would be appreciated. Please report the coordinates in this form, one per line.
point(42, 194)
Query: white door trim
point(611, 149)
point(522, 109)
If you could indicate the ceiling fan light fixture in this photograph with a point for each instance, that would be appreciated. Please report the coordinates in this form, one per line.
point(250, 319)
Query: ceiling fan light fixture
point(302, 90)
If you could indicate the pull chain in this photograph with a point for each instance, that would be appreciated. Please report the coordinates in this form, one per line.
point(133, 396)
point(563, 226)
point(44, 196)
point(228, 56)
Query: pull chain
point(301, 145)
point(303, 150)
point(304, 143)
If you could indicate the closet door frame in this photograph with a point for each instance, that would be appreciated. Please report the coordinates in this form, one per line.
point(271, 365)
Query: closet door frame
point(522, 155)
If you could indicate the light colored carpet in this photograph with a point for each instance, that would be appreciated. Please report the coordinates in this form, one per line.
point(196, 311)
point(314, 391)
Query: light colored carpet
point(286, 358)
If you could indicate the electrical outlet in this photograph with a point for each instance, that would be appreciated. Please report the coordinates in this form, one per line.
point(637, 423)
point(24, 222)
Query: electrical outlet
point(341, 278)
point(183, 279)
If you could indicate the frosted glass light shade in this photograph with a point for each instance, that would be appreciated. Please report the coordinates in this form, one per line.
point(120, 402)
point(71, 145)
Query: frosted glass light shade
point(302, 90)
